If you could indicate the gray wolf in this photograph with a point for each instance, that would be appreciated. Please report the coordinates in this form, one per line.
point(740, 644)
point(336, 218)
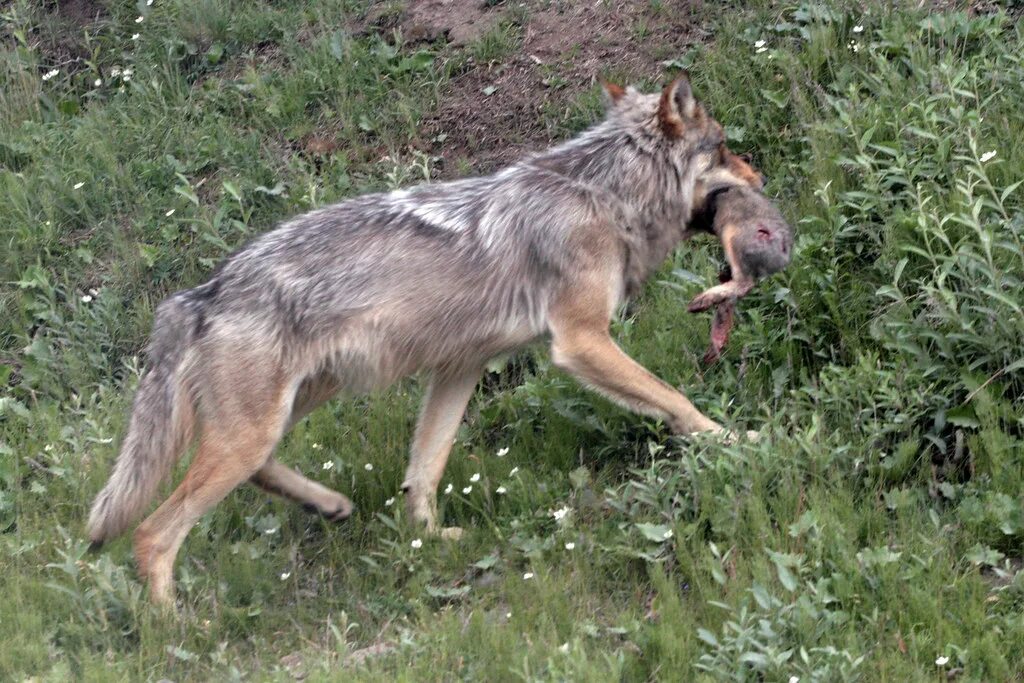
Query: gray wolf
point(437, 279)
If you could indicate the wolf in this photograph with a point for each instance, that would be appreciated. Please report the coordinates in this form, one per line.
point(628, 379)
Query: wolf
point(437, 279)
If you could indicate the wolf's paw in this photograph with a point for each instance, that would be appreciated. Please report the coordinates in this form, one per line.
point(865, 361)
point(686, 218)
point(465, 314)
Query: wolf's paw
point(451, 533)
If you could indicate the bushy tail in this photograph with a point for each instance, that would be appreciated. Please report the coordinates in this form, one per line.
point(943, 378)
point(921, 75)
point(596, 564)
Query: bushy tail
point(161, 424)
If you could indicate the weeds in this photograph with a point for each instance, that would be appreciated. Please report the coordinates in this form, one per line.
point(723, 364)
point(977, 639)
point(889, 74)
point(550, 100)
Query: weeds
point(874, 533)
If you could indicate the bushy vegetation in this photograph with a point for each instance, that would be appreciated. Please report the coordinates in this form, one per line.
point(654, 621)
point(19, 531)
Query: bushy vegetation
point(874, 533)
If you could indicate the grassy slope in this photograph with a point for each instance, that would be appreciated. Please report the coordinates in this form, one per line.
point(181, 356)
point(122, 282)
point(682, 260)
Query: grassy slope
point(867, 536)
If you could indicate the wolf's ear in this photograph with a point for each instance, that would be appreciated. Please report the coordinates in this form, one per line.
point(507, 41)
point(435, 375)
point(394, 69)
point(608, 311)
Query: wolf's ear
point(677, 106)
point(612, 94)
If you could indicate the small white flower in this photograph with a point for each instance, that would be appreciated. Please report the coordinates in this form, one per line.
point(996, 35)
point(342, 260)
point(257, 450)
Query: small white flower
point(854, 46)
point(858, 28)
point(513, 472)
point(759, 43)
point(794, 679)
point(270, 532)
point(501, 490)
point(527, 576)
point(389, 502)
point(760, 50)
point(564, 648)
point(135, 36)
point(475, 478)
point(368, 467)
point(78, 186)
point(115, 72)
point(988, 155)
point(466, 491)
point(48, 447)
point(560, 514)
point(86, 299)
point(508, 615)
point(169, 213)
point(328, 465)
point(315, 446)
point(98, 82)
point(50, 74)
point(667, 534)
point(285, 575)
point(94, 291)
point(416, 543)
point(502, 452)
point(149, 2)
point(570, 545)
point(139, 19)
point(448, 489)
point(942, 661)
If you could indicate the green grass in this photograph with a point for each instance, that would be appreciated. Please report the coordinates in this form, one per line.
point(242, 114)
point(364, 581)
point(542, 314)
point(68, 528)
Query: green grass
point(877, 527)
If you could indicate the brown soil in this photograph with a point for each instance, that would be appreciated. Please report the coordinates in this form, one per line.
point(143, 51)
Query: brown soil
point(493, 113)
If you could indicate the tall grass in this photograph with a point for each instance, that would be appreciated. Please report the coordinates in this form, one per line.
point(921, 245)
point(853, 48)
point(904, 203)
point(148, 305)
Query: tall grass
point(873, 534)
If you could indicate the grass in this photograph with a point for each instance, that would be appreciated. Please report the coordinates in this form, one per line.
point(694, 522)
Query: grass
point(874, 534)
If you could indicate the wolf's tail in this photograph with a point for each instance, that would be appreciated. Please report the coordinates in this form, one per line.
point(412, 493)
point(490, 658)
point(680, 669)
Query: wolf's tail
point(161, 423)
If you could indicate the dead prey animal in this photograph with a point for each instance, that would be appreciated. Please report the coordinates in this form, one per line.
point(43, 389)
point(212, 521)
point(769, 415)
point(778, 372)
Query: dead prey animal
point(757, 241)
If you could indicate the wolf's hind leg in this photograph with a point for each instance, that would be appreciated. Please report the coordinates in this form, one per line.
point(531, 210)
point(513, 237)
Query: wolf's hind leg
point(284, 481)
point(234, 444)
point(443, 407)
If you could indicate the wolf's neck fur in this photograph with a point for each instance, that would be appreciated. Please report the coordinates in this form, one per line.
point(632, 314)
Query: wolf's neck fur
point(637, 168)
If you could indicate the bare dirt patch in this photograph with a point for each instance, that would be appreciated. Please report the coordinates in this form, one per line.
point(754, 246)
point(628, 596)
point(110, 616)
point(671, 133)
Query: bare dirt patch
point(493, 113)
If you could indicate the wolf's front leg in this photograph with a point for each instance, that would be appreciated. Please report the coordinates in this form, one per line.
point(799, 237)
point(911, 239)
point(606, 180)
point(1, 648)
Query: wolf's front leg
point(593, 358)
point(443, 407)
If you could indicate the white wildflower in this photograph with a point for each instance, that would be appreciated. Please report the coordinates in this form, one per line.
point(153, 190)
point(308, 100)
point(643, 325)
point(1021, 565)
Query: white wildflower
point(115, 72)
point(942, 661)
point(570, 546)
point(987, 156)
point(328, 465)
point(794, 679)
point(271, 532)
point(760, 50)
point(416, 543)
point(368, 467)
point(501, 490)
point(475, 478)
point(139, 19)
point(50, 74)
point(560, 514)
point(149, 2)
point(858, 28)
point(285, 575)
point(502, 452)
point(48, 447)
point(448, 489)
point(98, 82)
point(86, 299)
point(759, 43)
point(564, 648)
point(508, 615)
point(169, 213)
point(78, 186)
point(135, 36)
point(389, 502)
point(527, 576)
point(466, 491)
point(513, 472)
point(667, 534)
